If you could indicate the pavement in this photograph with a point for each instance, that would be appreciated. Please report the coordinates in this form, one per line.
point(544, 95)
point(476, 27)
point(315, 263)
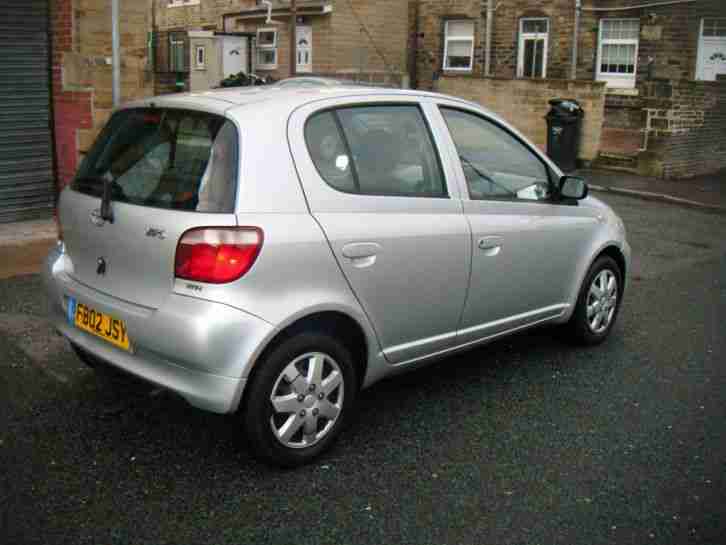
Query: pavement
point(524, 441)
point(703, 192)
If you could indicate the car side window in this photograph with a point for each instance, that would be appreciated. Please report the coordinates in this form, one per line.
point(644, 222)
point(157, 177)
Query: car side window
point(495, 163)
point(376, 150)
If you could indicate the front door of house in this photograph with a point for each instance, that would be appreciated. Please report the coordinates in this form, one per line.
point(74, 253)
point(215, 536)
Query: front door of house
point(304, 49)
point(711, 49)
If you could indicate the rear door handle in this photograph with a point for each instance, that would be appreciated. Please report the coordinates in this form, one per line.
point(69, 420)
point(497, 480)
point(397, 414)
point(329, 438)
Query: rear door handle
point(361, 254)
point(490, 246)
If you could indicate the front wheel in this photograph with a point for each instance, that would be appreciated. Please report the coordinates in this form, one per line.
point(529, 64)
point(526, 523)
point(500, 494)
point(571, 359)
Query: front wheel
point(298, 399)
point(598, 302)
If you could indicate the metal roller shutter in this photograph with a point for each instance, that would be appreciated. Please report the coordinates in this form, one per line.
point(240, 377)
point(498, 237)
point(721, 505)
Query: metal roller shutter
point(26, 167)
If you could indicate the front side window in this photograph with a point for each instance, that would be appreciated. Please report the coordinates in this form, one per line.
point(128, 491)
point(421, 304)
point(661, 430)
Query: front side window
point(376, 150)
point(533, 44)
point(266, 48)
point(495, 163)
point(618, 52)
point(459, 45)
point(176, 159)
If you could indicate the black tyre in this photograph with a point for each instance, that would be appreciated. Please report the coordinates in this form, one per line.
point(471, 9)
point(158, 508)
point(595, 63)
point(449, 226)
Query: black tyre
point(598, 303)
point(299, 398)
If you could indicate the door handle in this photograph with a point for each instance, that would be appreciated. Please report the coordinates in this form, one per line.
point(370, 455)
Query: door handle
point(361, 254)
point(357, 250)
point(490, 246)
point(96, 218)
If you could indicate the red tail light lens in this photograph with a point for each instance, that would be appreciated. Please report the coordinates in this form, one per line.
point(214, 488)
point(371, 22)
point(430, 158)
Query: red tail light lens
point(217, 254)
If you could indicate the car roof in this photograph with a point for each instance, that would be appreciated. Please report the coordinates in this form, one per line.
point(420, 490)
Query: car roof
point(288, 98)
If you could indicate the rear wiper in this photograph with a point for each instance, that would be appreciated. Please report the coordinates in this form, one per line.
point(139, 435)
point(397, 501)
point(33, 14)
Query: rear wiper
point(485, 176)
point(106, 211)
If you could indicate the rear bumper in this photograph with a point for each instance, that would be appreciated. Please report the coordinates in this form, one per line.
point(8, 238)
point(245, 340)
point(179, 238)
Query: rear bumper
point(199, 349)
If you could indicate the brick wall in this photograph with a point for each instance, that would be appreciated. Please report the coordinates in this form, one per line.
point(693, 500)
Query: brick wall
point(687, 127)
point(381, 46)
point(82, 79)
point(524, 103)
point(72, 107)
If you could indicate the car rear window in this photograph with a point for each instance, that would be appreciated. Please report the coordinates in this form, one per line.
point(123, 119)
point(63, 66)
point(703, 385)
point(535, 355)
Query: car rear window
point(165, 158)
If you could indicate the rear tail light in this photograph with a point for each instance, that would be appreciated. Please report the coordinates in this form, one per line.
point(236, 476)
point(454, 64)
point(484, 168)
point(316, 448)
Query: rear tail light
point(217, 254)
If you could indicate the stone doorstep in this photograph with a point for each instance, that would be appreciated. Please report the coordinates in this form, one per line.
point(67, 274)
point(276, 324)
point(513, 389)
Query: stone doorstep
point(25, 232)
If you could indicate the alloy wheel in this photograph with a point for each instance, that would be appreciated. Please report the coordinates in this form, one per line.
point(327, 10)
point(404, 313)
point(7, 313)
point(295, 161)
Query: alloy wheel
point(307, 400)
point(602, 301)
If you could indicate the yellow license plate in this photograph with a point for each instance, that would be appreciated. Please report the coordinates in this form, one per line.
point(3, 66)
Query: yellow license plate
point(97, 323)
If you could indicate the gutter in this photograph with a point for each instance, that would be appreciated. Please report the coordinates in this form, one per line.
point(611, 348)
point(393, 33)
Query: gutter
point(641, 6)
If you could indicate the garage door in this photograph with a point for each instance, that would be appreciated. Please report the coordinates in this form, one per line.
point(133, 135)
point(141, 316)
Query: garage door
point(26, 174)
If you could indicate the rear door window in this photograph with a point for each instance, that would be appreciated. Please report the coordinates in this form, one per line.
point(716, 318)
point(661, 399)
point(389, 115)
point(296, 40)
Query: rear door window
point(376, 150)
point(165, 158)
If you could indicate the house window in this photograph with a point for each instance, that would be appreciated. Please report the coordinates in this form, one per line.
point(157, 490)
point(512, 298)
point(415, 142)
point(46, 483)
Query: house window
point(201, 57)
point(618, 52)
point(459, 45)
point(714, 28)
point(532, 51)
point(177, 53)
point(266, 48)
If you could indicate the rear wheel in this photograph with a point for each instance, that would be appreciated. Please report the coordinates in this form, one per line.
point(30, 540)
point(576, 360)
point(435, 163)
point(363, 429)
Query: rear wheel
point(598, 302)
point(298, 399)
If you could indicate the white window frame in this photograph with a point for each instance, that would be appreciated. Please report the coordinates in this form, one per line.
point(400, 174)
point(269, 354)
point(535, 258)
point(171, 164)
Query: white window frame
point(273, 48)
point(200, 65)
point(459, 39)
point(626, 81)
point(523, 36)
point(182, 3)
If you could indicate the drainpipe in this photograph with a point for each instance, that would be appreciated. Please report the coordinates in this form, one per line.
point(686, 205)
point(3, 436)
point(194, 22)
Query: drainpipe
point(488, 39)
point(293, 38)
point(575, 38)
point(116, 54)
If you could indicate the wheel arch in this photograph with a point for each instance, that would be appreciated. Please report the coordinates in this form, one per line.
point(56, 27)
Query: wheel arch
point(339, 324)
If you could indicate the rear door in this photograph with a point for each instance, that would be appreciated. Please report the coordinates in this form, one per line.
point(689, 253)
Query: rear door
point(375, 182)
point(167, 170)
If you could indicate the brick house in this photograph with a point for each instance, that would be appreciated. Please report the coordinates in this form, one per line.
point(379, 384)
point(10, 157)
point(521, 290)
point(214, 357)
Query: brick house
point(659, 60)
point(340, 38)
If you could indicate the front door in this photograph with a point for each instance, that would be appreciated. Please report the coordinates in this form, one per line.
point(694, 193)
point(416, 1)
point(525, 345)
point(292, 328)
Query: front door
point(711, 49)
point(304, 49)
point(375, 183)
point(525, 246)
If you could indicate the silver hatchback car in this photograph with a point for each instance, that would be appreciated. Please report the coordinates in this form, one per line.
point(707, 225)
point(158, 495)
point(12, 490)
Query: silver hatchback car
point(274, 250)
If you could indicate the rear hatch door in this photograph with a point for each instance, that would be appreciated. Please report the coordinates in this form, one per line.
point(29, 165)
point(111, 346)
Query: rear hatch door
point(166, 171)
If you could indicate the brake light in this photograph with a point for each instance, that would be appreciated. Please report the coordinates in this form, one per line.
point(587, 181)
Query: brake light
point(217, 254)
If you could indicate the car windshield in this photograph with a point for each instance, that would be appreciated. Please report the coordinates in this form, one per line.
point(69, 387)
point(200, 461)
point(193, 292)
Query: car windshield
point(165, 158)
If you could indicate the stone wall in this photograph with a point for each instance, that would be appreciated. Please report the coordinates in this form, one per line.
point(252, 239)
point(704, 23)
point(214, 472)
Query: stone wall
point(524, 103)
point(685, 128)
point(82, 79)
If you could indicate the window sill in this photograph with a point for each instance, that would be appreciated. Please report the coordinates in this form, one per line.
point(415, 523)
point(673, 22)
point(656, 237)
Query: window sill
point(622, 91)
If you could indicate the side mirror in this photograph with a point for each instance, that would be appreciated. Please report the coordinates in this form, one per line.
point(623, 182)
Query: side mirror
point(573, 187)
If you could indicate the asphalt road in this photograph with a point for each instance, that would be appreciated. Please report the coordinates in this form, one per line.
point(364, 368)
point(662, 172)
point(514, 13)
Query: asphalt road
point(525, 441)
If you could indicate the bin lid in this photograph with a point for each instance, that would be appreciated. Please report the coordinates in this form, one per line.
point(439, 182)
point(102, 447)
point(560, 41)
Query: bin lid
point(566, 105)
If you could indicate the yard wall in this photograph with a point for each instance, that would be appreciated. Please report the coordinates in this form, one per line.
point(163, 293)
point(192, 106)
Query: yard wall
point(685, 127)
point(524, 103)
